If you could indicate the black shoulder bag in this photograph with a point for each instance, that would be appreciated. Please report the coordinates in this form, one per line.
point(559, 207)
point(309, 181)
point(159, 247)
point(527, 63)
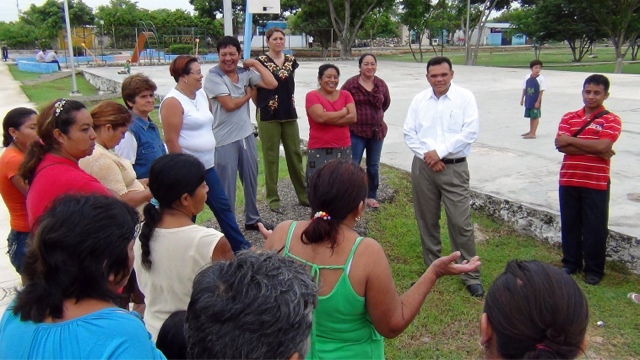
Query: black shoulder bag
point(598, 115)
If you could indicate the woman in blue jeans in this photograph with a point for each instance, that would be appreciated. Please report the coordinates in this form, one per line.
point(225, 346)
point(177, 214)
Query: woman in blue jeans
point(371, 96)
point(19, 126)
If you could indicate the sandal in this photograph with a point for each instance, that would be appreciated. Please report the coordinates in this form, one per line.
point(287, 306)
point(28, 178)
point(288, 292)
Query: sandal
point(373, 203)
point(529, 137)
point(634, 297)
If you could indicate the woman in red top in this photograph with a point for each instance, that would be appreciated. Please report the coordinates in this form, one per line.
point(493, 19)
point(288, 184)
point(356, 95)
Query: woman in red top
point(330, 112)
point(19, 126)
point(371, 96)
point(50, 165)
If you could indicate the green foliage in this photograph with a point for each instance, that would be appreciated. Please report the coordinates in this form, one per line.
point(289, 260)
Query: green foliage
point(48, 19)
point(181, 49)
point(18, 35)
point(379, 24)
point(313, 22)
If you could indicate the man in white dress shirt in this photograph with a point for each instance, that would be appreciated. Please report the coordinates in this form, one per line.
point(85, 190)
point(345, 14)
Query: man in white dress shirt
point(441, 124)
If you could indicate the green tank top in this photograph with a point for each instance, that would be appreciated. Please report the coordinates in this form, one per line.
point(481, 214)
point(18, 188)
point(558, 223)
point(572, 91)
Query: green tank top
point(342, 328)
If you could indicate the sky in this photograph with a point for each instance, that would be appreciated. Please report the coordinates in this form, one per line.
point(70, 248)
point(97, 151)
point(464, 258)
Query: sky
point(9, 11)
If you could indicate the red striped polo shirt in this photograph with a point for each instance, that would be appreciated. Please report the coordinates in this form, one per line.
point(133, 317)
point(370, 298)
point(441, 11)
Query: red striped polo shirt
point(589, 171)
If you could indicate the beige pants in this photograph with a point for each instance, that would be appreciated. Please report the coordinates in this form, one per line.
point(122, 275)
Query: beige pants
point(451, 188)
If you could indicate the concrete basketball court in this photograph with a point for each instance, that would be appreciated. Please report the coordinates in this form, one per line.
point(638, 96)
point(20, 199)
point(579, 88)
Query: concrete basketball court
point(502, 164)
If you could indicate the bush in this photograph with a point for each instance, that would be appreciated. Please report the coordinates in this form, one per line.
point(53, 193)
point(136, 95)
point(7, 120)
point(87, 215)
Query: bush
point(181, 49)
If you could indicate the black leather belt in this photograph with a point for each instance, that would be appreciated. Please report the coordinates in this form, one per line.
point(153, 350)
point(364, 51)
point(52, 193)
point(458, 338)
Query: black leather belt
point(454, 161)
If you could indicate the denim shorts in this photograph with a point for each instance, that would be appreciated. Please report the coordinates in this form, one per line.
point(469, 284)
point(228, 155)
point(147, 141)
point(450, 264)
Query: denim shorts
point(17, 244)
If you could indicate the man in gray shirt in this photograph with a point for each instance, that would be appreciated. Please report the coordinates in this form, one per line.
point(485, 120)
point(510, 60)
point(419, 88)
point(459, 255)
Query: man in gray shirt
point(230, 88)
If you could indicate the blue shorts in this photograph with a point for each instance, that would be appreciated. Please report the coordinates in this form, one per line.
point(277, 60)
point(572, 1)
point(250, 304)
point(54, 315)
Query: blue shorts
point(17, 244)
point(532, 113)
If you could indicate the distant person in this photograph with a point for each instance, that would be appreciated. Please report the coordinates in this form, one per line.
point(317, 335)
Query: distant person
point(310, 41)
point(330, 111)
point(52, 58)
point(534, 311)
point(126, 69)
point(142, 143)
point(171, 248)
point(50, 165)
point(81, 255)
point(442, 123)
point(41, 56)
point(256, 306)
point(5, 52)
point(19, 130)
point(371, 96)
point(532, 89)
point(229, 88)
point(586, 137)
point(358, 303)
point(278, 122)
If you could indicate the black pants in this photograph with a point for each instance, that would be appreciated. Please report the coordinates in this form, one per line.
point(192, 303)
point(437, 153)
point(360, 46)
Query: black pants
point(584, 216)
point(55, 62)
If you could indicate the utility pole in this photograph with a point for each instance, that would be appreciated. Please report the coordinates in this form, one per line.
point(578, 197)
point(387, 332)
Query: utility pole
point(74, 85)
point(467, 40)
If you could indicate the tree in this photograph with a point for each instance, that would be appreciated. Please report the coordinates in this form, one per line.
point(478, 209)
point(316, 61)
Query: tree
point(524, 22)
point(621, 20)
point(48, 18)
point(379, 24)
point(18, 34)
point(347, 17)
point(486, 7)
point(313, 22)
point(415, 17)
point(121, 17)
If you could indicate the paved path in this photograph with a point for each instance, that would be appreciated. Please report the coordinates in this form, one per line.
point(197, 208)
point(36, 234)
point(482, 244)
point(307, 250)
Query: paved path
point(501, 162)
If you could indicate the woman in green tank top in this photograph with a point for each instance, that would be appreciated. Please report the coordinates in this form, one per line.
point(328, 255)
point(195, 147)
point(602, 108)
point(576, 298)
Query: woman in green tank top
point(358, 304)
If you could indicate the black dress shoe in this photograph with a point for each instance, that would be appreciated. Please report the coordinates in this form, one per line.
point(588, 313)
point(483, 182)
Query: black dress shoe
point(475, 290)
point(592, 279)
point(254, 226)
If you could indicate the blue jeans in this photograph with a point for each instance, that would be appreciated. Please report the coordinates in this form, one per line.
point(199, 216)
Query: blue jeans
point(219, 203)
point(374, 150)
point(17, 244)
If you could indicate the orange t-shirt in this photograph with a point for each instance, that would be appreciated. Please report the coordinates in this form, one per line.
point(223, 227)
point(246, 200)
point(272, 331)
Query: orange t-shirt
point(16, 202)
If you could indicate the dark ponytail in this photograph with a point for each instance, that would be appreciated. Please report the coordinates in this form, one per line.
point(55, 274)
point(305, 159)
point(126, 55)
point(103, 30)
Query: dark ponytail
point(15, 118)
point(170, 177)
point(336, 189)
point(60, 114)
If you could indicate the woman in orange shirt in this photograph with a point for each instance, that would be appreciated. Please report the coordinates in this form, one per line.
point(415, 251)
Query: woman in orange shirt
point(19, 129)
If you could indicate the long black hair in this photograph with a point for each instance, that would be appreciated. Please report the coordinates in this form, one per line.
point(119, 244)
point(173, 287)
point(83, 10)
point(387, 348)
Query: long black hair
point(170, 177)
point(15, 118)
point(79, 242)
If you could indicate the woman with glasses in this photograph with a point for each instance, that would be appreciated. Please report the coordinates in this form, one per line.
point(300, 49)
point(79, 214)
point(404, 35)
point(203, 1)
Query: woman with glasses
point(187, 122)
point(50, 166)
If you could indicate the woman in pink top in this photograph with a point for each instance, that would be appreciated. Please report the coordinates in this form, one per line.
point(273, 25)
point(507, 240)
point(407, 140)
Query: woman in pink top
point(19, 126)
point(50, 165)
point(330, 112)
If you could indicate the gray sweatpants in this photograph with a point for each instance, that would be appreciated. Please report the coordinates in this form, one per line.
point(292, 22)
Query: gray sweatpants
point(240, 157)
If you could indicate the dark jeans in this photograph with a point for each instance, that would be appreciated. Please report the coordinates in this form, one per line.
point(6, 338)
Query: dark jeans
point(584, 216)
point(17, 248)
point(55, 62)
point(219, 203)
point(374, 150)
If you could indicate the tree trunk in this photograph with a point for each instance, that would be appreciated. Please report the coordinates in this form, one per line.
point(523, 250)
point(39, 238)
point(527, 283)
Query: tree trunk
point(345, 48)
point(619, 58)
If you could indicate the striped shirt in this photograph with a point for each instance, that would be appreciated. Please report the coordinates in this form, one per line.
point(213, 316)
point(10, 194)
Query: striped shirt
point(589, 171)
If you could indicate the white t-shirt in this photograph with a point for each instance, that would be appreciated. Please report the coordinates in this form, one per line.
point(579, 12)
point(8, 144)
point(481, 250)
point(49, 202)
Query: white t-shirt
point(50, 57)
point(177, 256)
point(196, 135)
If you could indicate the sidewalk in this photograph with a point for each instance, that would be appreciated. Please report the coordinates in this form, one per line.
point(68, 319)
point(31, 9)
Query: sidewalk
point(11, 96)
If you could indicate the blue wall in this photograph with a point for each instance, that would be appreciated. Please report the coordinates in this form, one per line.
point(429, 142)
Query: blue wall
point(36, 67)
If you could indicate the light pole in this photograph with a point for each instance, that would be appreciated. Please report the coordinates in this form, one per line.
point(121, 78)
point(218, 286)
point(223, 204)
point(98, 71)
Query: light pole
point(102, 40)
point(74, 85)
point(467, 54)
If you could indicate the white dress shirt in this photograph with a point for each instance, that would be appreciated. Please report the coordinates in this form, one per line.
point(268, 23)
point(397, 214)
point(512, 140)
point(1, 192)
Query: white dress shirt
point(448, 125)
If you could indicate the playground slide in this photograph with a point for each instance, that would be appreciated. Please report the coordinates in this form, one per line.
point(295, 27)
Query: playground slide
point(90, 53)
point(142, 39)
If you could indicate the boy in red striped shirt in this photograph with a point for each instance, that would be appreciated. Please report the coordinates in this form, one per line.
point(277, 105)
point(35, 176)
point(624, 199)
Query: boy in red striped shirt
point(584, 180)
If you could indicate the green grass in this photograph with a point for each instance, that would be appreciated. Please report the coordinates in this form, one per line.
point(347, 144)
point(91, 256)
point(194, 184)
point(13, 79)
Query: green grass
point(43, 93)
point(553, 59)
point(448, 324)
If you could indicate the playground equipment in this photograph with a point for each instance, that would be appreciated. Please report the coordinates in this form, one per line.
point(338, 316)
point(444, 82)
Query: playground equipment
point(90, 53)
point(148, 33)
